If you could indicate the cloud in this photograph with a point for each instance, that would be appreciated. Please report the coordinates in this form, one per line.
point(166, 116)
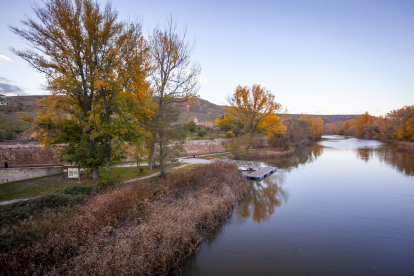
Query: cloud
point(7, 88)
point(3, 57)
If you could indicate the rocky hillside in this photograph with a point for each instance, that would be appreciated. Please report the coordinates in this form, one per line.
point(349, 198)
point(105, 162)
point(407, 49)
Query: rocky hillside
point(202, 109)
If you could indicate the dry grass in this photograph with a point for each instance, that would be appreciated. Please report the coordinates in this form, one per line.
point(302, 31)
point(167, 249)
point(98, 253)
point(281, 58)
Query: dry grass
point(149, 228)
point(265, 154)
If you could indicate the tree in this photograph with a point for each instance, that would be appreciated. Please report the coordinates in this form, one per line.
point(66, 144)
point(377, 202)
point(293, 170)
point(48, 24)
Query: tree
point(316, 126)
point(256, 108)
point(95, 68)
point(172, 80)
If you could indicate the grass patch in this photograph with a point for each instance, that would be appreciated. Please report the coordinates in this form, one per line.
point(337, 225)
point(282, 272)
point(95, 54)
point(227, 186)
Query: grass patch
point(125, 173)
point(43, 185)
point(40, 186)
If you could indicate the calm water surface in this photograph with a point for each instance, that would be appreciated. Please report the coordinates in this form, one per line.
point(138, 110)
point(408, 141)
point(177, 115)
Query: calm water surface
point(340, 207)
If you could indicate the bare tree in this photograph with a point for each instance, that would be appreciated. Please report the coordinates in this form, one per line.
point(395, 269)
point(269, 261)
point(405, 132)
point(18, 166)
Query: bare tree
point(173, 79)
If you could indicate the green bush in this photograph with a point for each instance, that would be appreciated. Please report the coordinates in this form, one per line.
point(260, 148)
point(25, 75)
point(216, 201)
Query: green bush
point(229, 134)
point(233, 147)
point(107, 177)
point(201, 132)
point(141, 170)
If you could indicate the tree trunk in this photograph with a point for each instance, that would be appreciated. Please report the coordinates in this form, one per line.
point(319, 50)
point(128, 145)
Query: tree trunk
point(152, 152)
point(95, 174)
point(161, 157)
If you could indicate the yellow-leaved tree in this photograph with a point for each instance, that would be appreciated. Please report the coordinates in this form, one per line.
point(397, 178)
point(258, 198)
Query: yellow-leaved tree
point(96, 69)
point(316, 125)
point(256, 109)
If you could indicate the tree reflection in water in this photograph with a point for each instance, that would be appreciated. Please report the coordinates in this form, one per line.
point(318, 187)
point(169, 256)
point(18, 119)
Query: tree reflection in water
point(401, 161)
point(365, 154)
point(262, 198)
point(303, 155)
point(265, 196)
point(387, 154)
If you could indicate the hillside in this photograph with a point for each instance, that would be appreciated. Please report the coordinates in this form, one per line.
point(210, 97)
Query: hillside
point(329, 118)
point(202, 109)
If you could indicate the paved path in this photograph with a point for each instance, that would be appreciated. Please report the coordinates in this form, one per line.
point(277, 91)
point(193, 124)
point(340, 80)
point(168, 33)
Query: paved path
point(17, 200)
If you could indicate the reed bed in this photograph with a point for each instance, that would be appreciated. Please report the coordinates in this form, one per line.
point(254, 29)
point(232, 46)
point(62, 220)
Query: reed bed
point(149, 228)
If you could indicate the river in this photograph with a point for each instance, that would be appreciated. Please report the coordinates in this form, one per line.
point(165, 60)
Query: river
point(343, 206)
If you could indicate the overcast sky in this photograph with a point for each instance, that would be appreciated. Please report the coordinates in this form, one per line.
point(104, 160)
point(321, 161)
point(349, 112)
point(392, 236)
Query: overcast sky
point(317, 57)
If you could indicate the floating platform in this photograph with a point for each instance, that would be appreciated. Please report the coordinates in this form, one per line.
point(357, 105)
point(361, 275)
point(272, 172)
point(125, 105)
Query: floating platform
point(261, 173)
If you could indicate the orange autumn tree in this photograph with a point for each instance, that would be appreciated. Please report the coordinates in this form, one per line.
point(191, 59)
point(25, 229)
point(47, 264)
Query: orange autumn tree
point(256, 108)
point(410, 128)
point(316, 125)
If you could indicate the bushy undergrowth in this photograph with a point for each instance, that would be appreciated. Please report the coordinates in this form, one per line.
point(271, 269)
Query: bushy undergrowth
point(16, 230)
point(148, 228)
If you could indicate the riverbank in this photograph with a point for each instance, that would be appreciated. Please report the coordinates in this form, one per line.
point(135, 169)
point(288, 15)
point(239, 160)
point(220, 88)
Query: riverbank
point(144, 228)
point(266, 153)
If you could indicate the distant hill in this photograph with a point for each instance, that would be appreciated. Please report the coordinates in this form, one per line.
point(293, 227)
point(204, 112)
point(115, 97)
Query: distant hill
point(329, 118)
point(202, 109)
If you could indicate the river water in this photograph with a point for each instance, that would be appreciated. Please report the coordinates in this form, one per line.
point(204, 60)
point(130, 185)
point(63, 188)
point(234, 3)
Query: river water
point(340, 207)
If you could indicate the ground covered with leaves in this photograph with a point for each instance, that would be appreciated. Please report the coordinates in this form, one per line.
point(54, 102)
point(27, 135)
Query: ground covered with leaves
point(146, 228)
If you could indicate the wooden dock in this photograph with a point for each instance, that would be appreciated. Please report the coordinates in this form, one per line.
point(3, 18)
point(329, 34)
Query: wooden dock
point(261, 173)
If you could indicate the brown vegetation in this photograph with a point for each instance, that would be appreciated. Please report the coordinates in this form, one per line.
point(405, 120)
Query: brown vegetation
point(142, 229)
point(268, 153)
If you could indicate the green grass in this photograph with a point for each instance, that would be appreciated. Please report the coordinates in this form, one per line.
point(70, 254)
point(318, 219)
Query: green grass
point(44, 185)
point(125, 173)
point(40, 186)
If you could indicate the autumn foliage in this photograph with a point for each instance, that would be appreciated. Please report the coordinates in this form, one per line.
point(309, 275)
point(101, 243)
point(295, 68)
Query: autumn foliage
point(254, 109)
point(395, 125)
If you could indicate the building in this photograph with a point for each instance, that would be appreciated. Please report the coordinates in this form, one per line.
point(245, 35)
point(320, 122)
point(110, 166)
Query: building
point(206, 124)
point(193, 119)
point(3, 100)
point(198, 123)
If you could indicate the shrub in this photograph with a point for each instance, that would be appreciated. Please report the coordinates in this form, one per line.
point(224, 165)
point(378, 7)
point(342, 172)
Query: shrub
point(229, 134)
point(233, 147)
point(107, 177)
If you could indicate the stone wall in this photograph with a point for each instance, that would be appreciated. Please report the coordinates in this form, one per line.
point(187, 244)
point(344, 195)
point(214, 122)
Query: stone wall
point(34, 154)
point(17, 174)
point(28, 155)
point(195, 147)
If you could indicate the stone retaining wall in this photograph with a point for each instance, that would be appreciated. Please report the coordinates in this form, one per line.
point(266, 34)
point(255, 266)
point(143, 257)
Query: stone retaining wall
point(28, 155)
point(17, 174)
point(35, 155)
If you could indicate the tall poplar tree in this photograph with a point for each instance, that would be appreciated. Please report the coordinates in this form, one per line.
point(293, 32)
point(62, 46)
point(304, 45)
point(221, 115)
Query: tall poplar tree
point(173, 79)
point(95, 68)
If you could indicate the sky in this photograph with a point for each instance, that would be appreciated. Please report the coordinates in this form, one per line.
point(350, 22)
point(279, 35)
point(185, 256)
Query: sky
point(316, 57)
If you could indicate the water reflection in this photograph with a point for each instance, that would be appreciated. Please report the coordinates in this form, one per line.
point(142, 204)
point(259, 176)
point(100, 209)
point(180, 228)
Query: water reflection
point(401, 161)
point(368, 150)
point(301, 156)
point(262, 198)
point(365, 154)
